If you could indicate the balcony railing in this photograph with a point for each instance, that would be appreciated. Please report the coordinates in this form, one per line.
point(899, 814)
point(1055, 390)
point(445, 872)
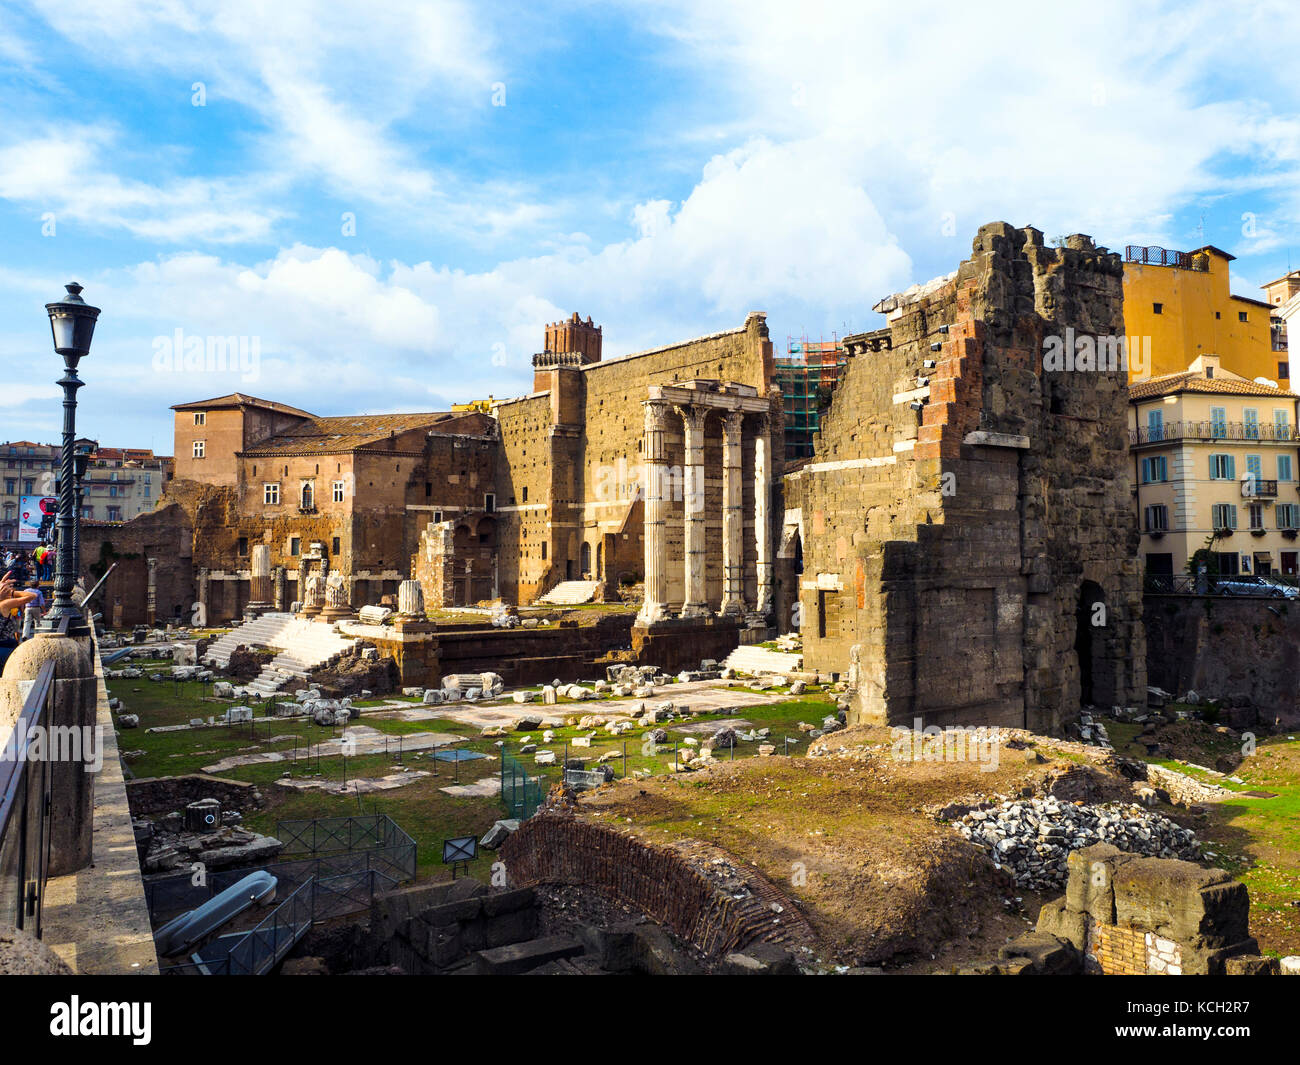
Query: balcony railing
point(25, 803)
point(1154, 255)
point(1258, 489)
point(1250, 432)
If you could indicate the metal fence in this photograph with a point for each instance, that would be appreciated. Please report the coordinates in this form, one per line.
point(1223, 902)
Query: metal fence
point(1187, 584)
point(25, 801)
point(172, 895)
point(370, 851)
point(328, 835)
point(1154, 255)
point(257, 951)
point(521, 793)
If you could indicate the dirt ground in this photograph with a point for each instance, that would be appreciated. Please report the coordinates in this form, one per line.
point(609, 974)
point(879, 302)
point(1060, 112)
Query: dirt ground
point(848, 836)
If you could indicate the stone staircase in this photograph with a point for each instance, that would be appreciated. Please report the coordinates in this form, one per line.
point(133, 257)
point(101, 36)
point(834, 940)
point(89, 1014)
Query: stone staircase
point(748, 658)
point(304, 646)
point(263, 632)
point(570, 593)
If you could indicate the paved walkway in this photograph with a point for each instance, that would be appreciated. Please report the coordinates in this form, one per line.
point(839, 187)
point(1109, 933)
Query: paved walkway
point(363, 741)
point(701, 696)
point(357, 785)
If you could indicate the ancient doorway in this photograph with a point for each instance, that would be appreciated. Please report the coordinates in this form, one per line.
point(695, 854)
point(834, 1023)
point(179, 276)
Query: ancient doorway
point(584, 559)
point(1089, 642)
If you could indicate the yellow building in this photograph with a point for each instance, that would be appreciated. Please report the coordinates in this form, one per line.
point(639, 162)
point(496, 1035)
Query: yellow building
point(1214, 453)
point(1182, 302)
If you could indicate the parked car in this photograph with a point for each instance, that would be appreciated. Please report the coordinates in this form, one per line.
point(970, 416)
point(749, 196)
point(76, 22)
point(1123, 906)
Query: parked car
point(1247, 585)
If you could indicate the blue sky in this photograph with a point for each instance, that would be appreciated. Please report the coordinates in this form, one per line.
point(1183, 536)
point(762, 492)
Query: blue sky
point(664, 168)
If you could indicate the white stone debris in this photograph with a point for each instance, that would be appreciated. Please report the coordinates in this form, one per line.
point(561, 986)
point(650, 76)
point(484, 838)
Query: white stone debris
point(1032, 838)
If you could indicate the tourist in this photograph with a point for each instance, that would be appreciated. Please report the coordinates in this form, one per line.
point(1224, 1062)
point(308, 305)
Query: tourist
point(20, 569)
point(12, 602)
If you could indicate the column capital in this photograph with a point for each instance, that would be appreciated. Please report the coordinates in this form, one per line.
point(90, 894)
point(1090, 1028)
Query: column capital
point(692, 416)
point(733, 421)
point(656, 414)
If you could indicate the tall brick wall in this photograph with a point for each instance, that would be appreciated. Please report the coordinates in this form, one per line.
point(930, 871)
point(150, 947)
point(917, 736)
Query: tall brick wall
point(164, 535)
point(954, 516)
point(576, 448)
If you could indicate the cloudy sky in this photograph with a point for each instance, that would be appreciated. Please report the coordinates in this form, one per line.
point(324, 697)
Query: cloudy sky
point(390, 200)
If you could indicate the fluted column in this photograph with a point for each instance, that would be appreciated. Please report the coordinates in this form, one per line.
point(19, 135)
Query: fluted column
point(259, 591)
point(697, 601)
point(762, 523)
point(733, 518)
point(654, 470)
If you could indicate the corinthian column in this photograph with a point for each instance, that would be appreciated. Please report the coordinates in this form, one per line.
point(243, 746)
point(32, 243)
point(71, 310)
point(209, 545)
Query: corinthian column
point(762, 524)
point(653, 471)
point(697, 603)
point(733, 518)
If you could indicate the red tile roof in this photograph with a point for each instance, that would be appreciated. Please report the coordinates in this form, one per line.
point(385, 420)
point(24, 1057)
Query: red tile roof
point(1194, 381)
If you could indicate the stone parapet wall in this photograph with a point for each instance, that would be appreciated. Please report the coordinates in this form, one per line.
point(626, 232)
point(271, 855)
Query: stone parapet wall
point(158, 795)
point(1244, 652)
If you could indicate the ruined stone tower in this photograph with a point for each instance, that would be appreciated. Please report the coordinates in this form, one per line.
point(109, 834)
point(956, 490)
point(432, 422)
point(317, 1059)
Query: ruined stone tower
point(968, 546)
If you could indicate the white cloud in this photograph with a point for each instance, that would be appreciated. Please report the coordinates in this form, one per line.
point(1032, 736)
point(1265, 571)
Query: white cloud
point(328, 80)
point(66, 174)
point(1100, 119)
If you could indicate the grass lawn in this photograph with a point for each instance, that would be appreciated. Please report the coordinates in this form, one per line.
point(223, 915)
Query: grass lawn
point(428, 814)
point(1258, 841)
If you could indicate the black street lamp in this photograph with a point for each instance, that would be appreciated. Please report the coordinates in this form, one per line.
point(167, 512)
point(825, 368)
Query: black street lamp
point(72, 322)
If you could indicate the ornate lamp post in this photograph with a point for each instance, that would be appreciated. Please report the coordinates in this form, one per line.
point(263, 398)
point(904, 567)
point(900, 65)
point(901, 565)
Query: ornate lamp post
point(80, 460)
point(72, 322)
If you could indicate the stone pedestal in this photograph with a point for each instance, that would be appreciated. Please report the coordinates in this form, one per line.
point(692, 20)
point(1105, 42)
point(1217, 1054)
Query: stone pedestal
point(313, 596)
point(336, 606)
point(71, 746)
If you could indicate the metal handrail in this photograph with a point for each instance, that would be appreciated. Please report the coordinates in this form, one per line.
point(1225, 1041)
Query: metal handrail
point(25, 803)
point(1259, 432)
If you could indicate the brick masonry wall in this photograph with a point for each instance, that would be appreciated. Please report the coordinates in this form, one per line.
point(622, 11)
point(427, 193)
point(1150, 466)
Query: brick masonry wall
point(956, 567)
point(161, 795)
point(664, 883)
point(165, 535)
point(1245, 652)
point(576, 449)
point(1117, 951)
point(534, 656)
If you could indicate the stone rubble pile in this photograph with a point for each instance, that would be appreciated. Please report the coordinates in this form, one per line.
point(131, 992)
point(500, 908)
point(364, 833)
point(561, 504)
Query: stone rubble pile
point(1032, 838)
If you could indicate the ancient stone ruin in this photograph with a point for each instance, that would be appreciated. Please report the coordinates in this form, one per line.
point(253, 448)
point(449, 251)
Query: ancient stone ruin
point(965, 526)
